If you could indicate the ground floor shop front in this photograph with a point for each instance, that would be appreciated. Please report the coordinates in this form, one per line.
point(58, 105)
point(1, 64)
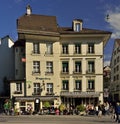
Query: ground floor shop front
point(38, 103)
point(34, 104)
point(78, 98)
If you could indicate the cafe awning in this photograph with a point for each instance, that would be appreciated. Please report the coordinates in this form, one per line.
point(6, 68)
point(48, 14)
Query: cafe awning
point(80, 94)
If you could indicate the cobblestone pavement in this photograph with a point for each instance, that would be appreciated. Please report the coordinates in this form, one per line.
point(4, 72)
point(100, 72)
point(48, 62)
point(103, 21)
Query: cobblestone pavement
point(55, 119)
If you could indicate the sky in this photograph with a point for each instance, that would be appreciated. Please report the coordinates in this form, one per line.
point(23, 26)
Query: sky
point(92, 12)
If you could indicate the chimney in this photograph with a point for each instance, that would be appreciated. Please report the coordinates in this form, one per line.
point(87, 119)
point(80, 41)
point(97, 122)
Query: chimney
point(29, 10)
point(77, 25)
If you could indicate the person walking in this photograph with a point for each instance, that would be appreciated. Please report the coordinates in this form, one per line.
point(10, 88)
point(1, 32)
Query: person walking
point(99, 111)
point(117, 112)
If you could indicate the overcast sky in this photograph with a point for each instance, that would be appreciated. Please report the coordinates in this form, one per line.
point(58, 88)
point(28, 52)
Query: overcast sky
point(92, 12)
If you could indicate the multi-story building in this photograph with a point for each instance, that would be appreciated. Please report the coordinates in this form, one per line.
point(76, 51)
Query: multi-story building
point(115, 72)
point(106, 82)
point(60, 64)
point(6, 69)
point(6, 66)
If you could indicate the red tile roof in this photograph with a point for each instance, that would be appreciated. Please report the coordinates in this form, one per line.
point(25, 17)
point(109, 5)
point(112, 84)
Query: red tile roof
point(46, 24)
point(37, 23)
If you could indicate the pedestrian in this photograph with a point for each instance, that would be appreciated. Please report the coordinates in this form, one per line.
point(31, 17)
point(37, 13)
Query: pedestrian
point(99, 111)
point(96, 109)
point(117, 112)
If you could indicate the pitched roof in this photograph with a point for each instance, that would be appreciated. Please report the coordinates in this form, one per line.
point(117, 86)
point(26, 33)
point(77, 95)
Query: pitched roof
point(69, 30)
point(37, 23)
point(46, 24)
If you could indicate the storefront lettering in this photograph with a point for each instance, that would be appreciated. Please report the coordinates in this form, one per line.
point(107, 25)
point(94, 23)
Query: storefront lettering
point(37, 78)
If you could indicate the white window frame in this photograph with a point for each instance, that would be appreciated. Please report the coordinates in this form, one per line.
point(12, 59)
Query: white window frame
point(77, 48)
point(78, 84)
point(91, 84)
point(36, 48)
point(49, 47)
point(36, 66)
point(91, 48)
point(49, 87)
point(65, 69)
point(36, 88)
point(65, 84)
point(91, 66)
point(65, 48)
point(49, 67)
point(78, 67)
point(18, 87)
point(77, 27)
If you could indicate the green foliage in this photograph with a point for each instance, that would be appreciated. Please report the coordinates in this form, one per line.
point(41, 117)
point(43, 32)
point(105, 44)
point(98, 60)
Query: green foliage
point(62, 107)
point(7, 104)
point(80, 108)
point(46, 104)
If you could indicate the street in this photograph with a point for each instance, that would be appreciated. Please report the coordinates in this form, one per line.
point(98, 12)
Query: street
point(55, 119)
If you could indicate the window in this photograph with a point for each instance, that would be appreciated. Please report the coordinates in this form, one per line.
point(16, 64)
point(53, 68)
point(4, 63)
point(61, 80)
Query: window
point(49, 67)
point(91, 48)
point(65, 85)
point(78, 66)
point(65, 48)
point(118, 59)
point(36, 48)
point(49, 47)
point(16, 50)
point(65, 66)
point(91, 68)
point(36, 88)
point(91, 85)
point(18, 87)
point(78, 85)
point(49, 87)
point(36, 67)
point(77, 48)
point(16, 71)
point(117, 76)
point(77, 27)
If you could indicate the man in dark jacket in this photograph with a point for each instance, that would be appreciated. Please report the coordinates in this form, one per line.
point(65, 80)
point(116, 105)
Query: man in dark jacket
point(117, 112)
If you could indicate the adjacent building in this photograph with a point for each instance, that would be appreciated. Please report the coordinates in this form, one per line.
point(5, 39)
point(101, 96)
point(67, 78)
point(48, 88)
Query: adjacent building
point(7, 61)
point(6, 66)
point(57, 64)
point(115, 71)
point(106, 82)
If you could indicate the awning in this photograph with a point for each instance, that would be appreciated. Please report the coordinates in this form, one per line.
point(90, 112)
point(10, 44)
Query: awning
point(32, 98)
point(80, 94)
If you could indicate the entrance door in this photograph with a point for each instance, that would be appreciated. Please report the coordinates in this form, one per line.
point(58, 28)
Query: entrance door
point(37, 104)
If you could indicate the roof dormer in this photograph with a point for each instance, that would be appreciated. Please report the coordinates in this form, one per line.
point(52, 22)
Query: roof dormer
point(77, 25)
point(29, 10)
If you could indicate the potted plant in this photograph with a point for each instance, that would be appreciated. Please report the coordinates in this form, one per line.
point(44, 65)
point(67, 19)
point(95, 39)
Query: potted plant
point(81, 109)
point(62, 108)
